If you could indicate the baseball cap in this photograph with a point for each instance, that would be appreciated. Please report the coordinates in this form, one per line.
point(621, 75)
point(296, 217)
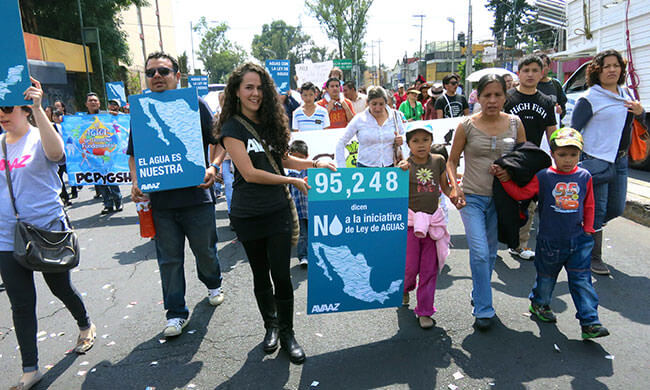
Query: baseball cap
point(400, 85)
point(566, 136)
point(114, 101)
point(412, 126)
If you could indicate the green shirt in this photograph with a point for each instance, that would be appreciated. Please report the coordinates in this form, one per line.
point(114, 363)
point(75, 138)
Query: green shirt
point(411, 113)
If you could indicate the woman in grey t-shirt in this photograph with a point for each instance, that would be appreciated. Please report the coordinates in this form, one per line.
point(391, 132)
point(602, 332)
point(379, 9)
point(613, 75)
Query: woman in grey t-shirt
point(33, 156)
point(483, 138)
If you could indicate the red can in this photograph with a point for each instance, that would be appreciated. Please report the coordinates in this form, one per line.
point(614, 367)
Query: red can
point(147, 229)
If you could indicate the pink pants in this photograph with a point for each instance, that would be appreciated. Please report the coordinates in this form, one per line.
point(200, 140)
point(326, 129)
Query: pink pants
point(422, 260)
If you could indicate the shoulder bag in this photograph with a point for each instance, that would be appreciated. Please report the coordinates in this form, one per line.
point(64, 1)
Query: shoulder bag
point(295, 233)
point(39, 249)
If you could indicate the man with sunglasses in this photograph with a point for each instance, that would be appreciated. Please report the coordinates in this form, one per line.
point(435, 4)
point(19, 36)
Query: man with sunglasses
point(111, 195)
point(451, 105)
point(180, 213)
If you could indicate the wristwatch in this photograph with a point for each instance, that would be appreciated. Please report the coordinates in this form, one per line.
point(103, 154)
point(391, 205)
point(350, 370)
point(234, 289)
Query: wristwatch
point(215, 166)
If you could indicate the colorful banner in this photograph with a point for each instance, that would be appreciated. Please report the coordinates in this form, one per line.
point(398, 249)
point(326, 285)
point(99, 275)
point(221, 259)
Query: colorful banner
point(357, 239)
point(14, 73)
point(280, 71)
point(200, 83)
point(115, 90)
point(167, 139)
point(95, 148)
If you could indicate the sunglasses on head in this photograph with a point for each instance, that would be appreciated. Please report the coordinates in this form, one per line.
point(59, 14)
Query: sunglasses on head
point(161, 71)
point(7, 110)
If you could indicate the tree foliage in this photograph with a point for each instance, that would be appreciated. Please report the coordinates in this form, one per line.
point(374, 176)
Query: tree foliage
point(510, 20)
point(60, 19)
point(219, 55)
point(344, 21)
point(477, 64)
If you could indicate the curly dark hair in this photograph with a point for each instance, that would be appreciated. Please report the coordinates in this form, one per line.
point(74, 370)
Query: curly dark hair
point(271, 115)
point(596, 67)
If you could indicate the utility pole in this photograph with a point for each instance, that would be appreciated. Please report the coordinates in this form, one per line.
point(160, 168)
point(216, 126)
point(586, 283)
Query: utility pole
point(453, 43)
point(421, 17)
point(83, 43)
point(379, 50)
point(468, 52)
point(372, 51)
point(192, 43)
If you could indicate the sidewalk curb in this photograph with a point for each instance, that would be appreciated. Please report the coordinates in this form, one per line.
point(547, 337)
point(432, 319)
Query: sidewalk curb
point(637, 209)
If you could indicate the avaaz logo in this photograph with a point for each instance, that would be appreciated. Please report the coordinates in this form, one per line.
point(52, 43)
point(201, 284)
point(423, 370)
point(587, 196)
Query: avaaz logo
point(151, 186)
point(325, 308)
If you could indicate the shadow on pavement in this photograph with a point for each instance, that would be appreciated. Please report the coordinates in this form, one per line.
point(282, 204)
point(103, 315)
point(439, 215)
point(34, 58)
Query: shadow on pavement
point(493, 354)
point(410, 357)
point(55, 372)
point(174, 368)
point(260, 373)
point(445, 280)
point(146, 251)
point(620, 292)
point(115, 219)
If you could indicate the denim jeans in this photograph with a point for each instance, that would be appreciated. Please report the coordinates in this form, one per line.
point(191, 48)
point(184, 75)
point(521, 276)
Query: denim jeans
point(301, 249)
point(609, 197)
point(575, 256)
point(111, 195)
point(228, 179)
point(480, 220)
point(19, 282)
point(198, 224)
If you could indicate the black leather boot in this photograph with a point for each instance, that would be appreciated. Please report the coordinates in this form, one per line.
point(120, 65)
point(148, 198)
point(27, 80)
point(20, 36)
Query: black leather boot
point(266, 304)
point(287, 340)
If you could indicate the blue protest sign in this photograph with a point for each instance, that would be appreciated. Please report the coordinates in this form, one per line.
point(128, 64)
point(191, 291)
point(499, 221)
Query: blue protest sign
point(280, 70)
point(115, 90)
point(14, 73)
point(95, 148)
point(357, 238)
point(200, 83)
point(167, 139)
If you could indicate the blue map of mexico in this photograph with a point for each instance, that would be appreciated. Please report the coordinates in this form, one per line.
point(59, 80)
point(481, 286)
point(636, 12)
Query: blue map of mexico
point(167, 140)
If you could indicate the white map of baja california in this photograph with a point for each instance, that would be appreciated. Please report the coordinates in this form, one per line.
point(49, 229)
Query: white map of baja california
point(354, 271)
point(180, 118)
point(14, 76)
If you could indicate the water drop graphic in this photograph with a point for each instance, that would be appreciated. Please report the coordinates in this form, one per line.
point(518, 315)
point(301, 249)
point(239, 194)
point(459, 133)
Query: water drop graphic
point(335, 227)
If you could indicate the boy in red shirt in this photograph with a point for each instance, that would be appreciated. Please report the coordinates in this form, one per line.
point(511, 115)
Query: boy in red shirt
point(566, 203)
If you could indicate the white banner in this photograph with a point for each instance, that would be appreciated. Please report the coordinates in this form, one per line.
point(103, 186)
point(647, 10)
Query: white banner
point(316, 72)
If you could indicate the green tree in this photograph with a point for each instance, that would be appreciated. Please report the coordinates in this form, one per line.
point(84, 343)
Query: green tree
point(219, 55)
point(60, 19)
point(478, 64)
point(344, 21)
point(510, 20)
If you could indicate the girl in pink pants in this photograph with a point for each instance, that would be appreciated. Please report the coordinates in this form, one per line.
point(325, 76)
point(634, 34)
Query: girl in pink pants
point(427, 244)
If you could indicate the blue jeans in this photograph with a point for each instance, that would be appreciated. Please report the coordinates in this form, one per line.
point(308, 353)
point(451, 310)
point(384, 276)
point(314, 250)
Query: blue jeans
point(228, 179)
point(480, 220)
point(575, 256)
point(111, 195)
point(609, 197)
point(198, 224)
point(301, 249)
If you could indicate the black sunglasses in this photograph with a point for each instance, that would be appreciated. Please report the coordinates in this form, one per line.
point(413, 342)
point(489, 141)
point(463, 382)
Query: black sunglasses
point(453, 82)
point(161, 71)
point(7, 110)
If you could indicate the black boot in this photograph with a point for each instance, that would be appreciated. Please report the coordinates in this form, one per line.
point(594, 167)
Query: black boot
point(266, 304)
point(598, 266)
point(287, 340)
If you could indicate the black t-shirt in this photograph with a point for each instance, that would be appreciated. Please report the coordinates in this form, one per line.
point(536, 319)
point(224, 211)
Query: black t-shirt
point(536, 112)
point(252, 199)
point(451, 106)
point(188, 196)
point(553, 89)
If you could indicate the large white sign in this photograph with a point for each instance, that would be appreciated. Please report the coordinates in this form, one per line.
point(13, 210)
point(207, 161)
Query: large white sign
point(316, 72)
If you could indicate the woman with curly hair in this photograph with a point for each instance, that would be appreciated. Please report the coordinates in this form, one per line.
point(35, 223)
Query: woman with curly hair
point(604, 115)
point(260, 210)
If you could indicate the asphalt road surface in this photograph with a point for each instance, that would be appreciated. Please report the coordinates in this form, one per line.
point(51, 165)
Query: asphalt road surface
point(379, 349)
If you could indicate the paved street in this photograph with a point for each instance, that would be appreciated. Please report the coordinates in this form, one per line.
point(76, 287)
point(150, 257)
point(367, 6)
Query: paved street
point(382, 349)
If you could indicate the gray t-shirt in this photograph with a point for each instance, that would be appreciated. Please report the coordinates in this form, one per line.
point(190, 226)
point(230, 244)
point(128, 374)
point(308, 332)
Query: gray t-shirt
point(36, 186)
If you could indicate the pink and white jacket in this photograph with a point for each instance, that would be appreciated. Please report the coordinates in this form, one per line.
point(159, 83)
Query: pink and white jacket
point(434, 225)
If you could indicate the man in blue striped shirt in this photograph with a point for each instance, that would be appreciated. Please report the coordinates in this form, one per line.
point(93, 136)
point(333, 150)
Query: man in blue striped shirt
point(309, 116)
